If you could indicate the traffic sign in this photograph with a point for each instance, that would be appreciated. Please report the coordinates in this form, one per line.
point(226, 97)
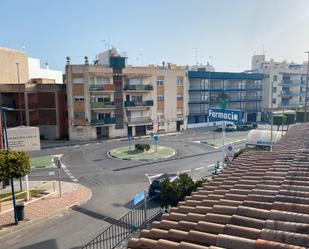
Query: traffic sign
point(156, 138)
point(216, 114)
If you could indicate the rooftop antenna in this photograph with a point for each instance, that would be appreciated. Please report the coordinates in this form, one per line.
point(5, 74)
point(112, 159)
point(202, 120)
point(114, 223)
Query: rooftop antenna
point(24, 47)
point(195, 55)
point(105, 44)
point(141, 58)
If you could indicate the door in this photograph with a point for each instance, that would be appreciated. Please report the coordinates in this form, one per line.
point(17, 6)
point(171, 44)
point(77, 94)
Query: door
point(178, 124)
point(140, 130)
point(129, 131)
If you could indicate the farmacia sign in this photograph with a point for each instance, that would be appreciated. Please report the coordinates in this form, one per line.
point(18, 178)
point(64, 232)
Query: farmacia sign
point(224, 115)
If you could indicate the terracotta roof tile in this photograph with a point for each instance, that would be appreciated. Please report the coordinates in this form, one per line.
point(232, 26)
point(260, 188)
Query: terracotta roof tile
point(261, 201)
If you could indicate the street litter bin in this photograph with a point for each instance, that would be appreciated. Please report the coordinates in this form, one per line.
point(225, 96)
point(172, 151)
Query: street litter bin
point(20, 211)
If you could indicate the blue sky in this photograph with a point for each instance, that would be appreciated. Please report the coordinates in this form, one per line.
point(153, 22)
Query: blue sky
point(150, 32)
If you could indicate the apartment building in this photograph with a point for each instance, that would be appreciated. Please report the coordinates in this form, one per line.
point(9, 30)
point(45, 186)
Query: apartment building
point(288, 80)
point(111, 99)
point(243, 91)
point(36, 94)
point(43, 105)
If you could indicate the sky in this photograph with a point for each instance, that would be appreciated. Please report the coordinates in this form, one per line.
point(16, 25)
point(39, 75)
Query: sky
point(224, 32)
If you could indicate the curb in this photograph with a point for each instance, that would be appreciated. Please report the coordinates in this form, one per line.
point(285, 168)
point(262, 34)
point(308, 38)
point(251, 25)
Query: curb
point(8, 231)
point(142, 160)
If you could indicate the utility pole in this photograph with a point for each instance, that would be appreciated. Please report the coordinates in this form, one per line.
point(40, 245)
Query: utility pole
point(19, 97)
point(306, 96)
point(272, 116)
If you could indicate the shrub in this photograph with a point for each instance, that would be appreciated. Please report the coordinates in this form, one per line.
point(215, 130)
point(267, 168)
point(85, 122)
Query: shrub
point(14, 164)
point(279, 120)
point(173, 192)
point(290, 118)
point(142, 147)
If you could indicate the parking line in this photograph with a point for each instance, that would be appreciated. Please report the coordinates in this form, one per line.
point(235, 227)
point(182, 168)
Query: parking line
point(199, 168)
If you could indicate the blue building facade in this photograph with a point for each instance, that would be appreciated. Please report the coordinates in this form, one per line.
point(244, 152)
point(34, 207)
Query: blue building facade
point(243, 91)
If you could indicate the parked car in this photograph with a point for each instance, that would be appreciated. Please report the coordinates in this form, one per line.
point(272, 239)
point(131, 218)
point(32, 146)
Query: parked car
point(228, 127)
point(155, 186)
point(246, 126)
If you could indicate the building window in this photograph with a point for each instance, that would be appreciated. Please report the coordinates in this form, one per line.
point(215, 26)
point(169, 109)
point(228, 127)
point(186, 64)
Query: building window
point(179, 81)
point(179, 115)
point(160, 111)
point(79, 98)
point(98, 80)
point(179, 110)
point(80, 131)
point(161, 124)
point(160, 82)
point(179, 97)
point(79, 115)
point(274, 89)
point(274, 101)
point(275, 78)
point(78, 80)
point(160, 97)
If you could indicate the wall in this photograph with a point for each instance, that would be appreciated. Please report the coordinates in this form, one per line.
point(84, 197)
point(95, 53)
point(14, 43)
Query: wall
point(8, 67)
point(35, 71)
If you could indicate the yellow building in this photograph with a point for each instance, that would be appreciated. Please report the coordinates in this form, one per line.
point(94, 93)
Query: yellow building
point(110, 99)
point(13, 64)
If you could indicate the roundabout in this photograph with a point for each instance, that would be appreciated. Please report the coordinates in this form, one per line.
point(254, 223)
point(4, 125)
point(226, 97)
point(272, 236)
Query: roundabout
point(124, 153)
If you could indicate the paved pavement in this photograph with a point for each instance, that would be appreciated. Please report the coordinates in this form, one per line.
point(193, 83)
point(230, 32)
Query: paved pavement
point(113, 184)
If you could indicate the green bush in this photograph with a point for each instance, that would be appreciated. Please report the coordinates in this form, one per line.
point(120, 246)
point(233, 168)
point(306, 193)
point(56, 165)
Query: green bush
point(279, 120)
point(290, 118)
point(300, 116)
point(142, 147)
point(173, 192)
point(14, 164)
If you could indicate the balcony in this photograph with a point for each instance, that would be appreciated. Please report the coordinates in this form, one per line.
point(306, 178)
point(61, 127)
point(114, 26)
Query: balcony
point(139, 120)
point(102, 105)
point(291, 94)
point(104, 121)
point(132, 103)
point(227, 89)
point(105, 87)
point(138, 88)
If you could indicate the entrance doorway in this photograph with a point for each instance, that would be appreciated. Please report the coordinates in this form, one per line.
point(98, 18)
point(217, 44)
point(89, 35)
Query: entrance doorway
point(140, 130)
point(178, 124)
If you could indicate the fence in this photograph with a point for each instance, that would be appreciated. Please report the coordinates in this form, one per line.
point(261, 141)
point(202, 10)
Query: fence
point(126, 225)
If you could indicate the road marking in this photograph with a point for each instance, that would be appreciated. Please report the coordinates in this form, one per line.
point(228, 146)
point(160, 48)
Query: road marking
point(86, 145)
point(67, 171)
point(51, 173)
point(75, 146)
point(211, 165)
point(186, 170)
point(199, 168)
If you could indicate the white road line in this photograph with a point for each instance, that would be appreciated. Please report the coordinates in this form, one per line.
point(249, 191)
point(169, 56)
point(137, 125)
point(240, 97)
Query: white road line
point(199, 168)
point(75, 146)
point(86, 145)
point(68, 172)
point(51, 173)
point(211, 165)
point(186, 170)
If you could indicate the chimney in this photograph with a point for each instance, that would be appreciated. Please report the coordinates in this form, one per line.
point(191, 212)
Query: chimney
point(86, 60)
point(46, 65)
point(163, 64)
point(68, 60)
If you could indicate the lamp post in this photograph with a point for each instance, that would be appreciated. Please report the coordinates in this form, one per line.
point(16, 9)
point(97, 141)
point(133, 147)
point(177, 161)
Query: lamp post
point(272, 116)
point(306, 96)
point(19, 97)
point(6, 146)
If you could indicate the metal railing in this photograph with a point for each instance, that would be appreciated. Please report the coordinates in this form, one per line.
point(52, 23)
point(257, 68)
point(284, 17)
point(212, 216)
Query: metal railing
point(127, 224)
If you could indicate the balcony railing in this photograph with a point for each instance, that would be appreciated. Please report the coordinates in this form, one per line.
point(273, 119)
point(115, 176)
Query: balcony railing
point(95, 105)
point(104, 121)
point(139, 120)
point(138, 87)
point(216, 100)
point(105, 87)
point(228, 89)
point(291, 94)
point(132, 103)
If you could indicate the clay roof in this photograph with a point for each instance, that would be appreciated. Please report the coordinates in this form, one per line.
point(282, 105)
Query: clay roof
point(261, 201)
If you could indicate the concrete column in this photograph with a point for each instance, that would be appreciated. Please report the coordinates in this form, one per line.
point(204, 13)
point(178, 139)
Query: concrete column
point(57, 115)
point(26, 109)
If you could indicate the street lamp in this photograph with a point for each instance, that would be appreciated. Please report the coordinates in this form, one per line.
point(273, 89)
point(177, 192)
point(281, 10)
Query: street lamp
point(6, 146)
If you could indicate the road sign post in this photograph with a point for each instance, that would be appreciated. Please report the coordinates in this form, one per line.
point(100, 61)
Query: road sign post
point(129, 141)
point(223, 147)
point(230, 152)
point(58, 164)
point(156, 139)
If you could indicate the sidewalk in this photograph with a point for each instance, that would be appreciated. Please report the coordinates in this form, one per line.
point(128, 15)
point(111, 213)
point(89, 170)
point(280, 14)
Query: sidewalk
point(35, 211)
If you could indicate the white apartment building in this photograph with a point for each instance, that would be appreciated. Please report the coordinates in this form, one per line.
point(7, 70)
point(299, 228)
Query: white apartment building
point(289, 82)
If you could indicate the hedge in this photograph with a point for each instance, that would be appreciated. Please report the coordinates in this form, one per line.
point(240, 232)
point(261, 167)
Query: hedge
point(142, 147)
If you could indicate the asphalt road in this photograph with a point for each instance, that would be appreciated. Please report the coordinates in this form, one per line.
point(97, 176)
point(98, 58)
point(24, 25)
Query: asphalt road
point(113, 183)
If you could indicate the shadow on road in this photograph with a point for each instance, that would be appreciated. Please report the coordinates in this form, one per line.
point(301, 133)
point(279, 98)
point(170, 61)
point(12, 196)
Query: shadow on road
point(47, 244)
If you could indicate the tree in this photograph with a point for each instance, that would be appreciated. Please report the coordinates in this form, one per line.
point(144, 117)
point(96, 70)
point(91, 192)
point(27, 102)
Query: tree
point(14, 164)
